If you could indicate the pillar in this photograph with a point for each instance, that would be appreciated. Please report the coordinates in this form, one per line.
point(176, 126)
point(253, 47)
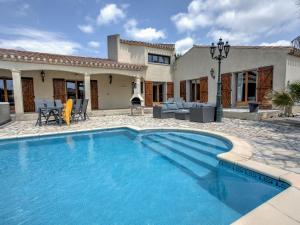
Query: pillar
point(137, 89)
point(87, 90)
point(18, 94)
point(165, 91)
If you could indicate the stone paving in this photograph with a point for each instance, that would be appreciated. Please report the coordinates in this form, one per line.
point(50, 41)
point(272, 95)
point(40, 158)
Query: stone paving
point(274, 144)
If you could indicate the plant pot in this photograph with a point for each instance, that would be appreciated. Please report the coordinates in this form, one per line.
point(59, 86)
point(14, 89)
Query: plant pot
point(253, 107)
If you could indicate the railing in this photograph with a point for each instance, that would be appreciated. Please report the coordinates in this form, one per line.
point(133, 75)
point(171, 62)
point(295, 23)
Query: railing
point(295, 50)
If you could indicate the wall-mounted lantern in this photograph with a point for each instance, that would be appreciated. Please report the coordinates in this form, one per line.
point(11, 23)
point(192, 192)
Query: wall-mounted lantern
point(212, 73)
point(110, 79)
point(43, 75)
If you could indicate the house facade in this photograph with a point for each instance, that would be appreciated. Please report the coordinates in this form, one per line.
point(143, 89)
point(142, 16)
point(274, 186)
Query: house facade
point(247, 75)
point(108, 83)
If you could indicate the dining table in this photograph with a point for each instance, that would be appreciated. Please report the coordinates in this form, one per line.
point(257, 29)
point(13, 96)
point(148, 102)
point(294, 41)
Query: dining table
point(49, 111)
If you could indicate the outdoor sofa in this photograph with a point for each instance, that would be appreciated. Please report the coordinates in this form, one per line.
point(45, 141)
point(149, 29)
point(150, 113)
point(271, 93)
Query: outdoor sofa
point(198, 112)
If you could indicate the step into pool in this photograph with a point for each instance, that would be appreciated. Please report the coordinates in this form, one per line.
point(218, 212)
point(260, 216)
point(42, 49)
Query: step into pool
point(124, 177)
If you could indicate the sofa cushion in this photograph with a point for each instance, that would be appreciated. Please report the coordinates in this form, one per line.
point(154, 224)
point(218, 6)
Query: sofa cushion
point(188, 105)
point(164, 107)
point(180, 105)
point(198, 105)
point(172, 106)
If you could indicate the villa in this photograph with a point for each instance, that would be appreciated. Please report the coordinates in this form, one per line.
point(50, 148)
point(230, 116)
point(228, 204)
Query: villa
point(140, 169)
point(249, 74)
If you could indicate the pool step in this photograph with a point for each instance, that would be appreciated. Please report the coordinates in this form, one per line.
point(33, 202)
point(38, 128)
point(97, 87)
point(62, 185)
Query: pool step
point(181, 165)
point(213, 147)
point(202, 151)
point(194, 169)
point(196, 156)
point(164, 147)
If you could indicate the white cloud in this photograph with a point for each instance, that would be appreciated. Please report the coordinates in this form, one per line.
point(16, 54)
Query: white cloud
point(235, 38)
point(37, 40)
point(183, 45)
point(277, 43)
point(143, 34)
point(240, 21)
point(94, 44)
point(22, 9)
point(110, 13)
point(88, 29)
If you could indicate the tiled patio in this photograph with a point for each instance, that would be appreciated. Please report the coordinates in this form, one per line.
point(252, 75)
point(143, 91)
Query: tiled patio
point(274, 144)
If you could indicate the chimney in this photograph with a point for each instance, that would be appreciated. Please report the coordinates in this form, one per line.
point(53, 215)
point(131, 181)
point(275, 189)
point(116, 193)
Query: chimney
point(113, 47)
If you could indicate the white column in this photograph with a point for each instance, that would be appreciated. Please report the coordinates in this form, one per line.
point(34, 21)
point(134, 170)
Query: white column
point(87, 89)
point(137, 89)
point(165, 91)
point(18, 94)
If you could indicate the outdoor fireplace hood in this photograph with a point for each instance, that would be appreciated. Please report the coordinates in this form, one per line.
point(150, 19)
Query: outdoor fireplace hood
point(137, 94)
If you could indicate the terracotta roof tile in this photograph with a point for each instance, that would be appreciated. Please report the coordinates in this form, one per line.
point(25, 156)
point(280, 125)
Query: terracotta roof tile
point(67, 60)
point(151, 45)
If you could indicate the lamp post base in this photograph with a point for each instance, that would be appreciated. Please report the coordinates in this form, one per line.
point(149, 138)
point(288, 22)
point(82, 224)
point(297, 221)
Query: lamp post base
point(219, 114)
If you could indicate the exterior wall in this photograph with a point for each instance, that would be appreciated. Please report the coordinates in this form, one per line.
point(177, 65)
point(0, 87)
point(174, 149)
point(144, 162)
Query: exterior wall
point(139, 55)
point(197, 63)
point(110, 96)
point(115, 95)
point(292, 69)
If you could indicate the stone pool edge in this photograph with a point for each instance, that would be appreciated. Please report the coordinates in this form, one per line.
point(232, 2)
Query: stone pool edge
point(283, 208)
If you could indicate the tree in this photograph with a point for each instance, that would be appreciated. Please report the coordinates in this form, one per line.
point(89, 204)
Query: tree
point(287, 98)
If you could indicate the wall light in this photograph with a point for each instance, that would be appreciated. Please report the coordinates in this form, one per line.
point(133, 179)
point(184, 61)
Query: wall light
point(110, 79)
point(212, 73)
point(43, 75)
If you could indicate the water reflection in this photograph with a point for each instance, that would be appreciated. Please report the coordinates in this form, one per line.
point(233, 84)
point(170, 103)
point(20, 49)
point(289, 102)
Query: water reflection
point(22, 154)
point(91, 154)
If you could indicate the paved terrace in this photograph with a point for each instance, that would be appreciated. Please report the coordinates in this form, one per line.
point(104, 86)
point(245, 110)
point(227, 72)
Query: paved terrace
point(274, 144)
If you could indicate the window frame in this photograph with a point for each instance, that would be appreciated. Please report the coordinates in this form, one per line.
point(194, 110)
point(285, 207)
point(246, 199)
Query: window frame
point(159, 59)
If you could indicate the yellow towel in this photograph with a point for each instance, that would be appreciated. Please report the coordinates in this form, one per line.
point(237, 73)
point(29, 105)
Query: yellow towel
point(67, 111)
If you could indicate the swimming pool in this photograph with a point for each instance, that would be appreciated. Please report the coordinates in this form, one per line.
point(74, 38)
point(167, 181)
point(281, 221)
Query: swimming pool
point(121, 176)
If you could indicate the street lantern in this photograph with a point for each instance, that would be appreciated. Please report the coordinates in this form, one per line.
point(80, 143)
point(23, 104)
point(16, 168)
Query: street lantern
point(223, 53)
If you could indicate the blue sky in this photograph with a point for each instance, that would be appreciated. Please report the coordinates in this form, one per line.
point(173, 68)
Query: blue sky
point(80, 27)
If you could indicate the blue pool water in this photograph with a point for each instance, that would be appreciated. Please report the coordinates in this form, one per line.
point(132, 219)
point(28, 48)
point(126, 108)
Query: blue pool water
point(124, 177)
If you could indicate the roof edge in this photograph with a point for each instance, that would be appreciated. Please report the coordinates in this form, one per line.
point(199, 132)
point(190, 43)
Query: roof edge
point(148, 44)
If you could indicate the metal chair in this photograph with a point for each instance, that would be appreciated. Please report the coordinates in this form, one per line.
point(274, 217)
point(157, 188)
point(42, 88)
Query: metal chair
point(58, 103)
point(76, 110)
point(83, 112)
point(38, 105)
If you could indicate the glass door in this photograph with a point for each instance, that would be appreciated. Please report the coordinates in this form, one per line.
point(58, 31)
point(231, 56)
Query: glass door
point(246, 87)
point(7, 92)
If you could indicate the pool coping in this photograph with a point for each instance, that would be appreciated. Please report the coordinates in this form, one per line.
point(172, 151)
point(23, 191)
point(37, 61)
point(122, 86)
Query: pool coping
point(283, 208)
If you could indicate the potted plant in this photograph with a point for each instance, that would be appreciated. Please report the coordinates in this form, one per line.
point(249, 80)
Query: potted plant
point(287, 98)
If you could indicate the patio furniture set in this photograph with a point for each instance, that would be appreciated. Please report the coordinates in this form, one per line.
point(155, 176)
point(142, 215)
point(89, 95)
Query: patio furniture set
point(179, 109)
point(54, 111)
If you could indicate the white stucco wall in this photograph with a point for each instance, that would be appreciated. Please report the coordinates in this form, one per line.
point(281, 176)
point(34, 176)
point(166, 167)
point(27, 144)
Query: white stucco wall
point(292, 69)
point(197, 63)
point(139, 55)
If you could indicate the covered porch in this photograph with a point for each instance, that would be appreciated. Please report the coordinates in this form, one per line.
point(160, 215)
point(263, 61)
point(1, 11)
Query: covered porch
point(107, 84)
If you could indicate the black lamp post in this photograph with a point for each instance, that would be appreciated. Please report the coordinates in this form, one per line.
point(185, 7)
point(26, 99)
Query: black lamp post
point(223, 53)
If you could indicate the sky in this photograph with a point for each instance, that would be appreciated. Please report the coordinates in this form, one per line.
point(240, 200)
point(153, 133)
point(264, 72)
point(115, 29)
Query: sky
point(80, 27)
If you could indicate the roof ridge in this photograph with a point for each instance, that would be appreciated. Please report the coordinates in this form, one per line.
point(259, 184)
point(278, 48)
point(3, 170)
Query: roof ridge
point(57, 59)
point(54, 54)
point(248, 46)
point(169, 46)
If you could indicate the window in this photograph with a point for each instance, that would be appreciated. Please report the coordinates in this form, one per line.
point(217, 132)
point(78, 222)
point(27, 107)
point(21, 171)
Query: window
point(161, 59)
point(75, 89)
point(158, 92)
point(194, 90)
point(7, 91)
point(246, 87)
